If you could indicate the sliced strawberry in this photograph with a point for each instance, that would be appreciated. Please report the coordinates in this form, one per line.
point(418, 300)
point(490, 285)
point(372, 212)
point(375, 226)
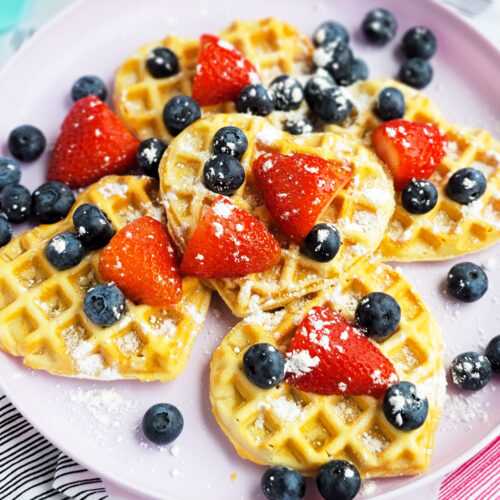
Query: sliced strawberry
point(92, 143)
point(411, 150)
point(221, 72)
point(328, 355)
point(229, 242)
point(297, 188)
point(141, 260)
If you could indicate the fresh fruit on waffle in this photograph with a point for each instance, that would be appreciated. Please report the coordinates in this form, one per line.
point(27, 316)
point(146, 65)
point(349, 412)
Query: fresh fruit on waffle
point(42, 316)
point(283, 424)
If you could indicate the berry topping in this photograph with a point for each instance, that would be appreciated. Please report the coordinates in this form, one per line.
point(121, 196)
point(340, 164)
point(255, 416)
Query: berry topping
point(405, 407)
point(493, 353)
point(328, 355)
point(5, 231)
point(221, 72)
point(329, 32)
point(230, 141)
point(92, 143)
point(419, 42)
point(26, 143)
point(64, 250)
point(287, 91)
point(315, 87)
point(16, 203)
point(390, 104)
point(52, 201)
point(416, 72)
point(149, 154)
point(223, 174)
point(379, 26)
point(162, 63)
point(141, 260)
point(357, 70)
point(229, 242)
point(89, 85)
point(466, 185)
point(93, 226)
point(467, 282)
point(10, 173)
point(297, 188)
point(332, 106)
point(256, 100)
point(419, 196)
point(322, 243)
point(299, 125)
point(283, 483)
point(336, 58)
point(471, 371)
point(104, 304)
point(162, 423)
point(378, 314)
point(338, 480)
point(264, 365)
point(411, 150)
point(180, 112)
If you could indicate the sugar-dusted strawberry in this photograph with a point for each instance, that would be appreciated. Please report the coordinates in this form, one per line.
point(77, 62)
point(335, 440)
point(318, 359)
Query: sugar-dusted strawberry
point(328, 355)
point(92, 143)
point(229, 242)
point(297, 188)
point(411, 150)
point(221, 72)
point(140, 259)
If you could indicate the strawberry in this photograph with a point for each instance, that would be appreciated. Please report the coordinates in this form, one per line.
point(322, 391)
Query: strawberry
point(140, 259)
point(221, 72)
point(297, 188)
point(411, 150)
point(328, 355)
point(229, 242)
point(92, 143)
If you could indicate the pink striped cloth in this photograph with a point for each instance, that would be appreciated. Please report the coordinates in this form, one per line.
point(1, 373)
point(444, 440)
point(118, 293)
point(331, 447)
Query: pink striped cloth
point(476, 479)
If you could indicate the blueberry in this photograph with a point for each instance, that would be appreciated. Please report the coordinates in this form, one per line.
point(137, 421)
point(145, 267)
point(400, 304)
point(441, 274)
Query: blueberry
point(10, 173)
point(404, 406)
point(162, 62)
point(264, 365)
point(419, 42)
point(256, 100)
point(322, 243)
point(287, 92)
point(332, 106)
point(299, 125)
point(52, 201)
point(223, 174)
point(283, 483)
point(336, 58)
point(162, 423)
point(379, 26)
point(149, 154)
point(338, 480)
point(26, 143)
point(315, 87)
point(471, 371)
point(378, 314)
point(104, 304)
point(467, 282)
point(180, 112)
point(230, 141)
point(64, 250)
point(493, 353)
point(419, 196)
point(390, 104)
point(5, 231)
point(93, 226)
point(16, 203)
point(89, 85)
point(466, 185)
point(330, 31)
point(416, 72)
point(357, 70)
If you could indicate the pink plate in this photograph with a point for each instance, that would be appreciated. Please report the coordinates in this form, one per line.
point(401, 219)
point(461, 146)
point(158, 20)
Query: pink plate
point(95, 37)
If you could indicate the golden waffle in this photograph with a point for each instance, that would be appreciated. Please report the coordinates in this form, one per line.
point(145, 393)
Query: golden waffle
point(272, 46)
point(41, 314)
point(361, 211)
point(285, 426)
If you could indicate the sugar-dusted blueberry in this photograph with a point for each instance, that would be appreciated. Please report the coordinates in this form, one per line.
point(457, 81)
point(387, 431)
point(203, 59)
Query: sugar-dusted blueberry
point(390, 104)
point(467, 282)
point(405, 406)
point(256, 100)
point(466, 185)
point(315, 87)
point(416, 72)
point(357, 70)
point(419, 42)
point(162, 62)
point(264, 365)
point(149, 154)
point(16, 203)
point(419, 196)
point(230, 141)
point(93, 226)
point(287, 91)
point(10, 173)
point(180, 112)
point(379, 26)
point(104, 304)
point(332, 105)
point(89, 85)
point(493, 353)
point(323, 242)
point(338, 480)
point(470, 370)
point(297, 125)
point(336, 58)
point(283, 483)
point(223, 174)
point(378, 314)
point(5, 231)
point(64, 250)
point(162, 423)
point(328, 32)
point(52, 201)
point(26, 143)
